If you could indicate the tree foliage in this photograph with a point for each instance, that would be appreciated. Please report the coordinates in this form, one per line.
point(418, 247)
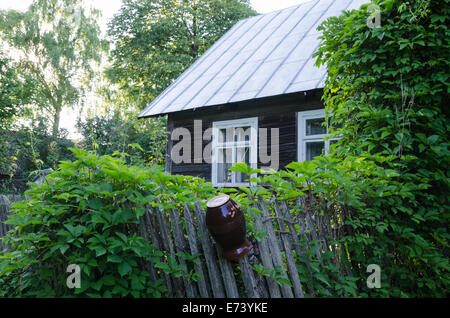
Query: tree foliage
point(15, 91)
point(155, 41)
point(56, 43)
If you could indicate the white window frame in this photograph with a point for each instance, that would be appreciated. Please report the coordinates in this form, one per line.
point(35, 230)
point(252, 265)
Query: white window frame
point(252, 122)
point(302, 138)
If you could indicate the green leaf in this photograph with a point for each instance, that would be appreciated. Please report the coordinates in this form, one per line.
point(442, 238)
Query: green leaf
point(124, 268)
point(95, 204)
point(114, 259)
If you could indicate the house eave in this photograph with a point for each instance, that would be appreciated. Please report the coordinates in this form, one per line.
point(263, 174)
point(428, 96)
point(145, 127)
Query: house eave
point(244, 103)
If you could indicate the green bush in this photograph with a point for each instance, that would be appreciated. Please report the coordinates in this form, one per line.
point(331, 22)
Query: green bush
point(88, 213)
point(388, 87)
point(341, 188)
point(105, 134)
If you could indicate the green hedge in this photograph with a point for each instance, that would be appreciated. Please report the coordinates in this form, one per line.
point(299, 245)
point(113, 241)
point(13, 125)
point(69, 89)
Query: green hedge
point(388, 86)
point(88, 214)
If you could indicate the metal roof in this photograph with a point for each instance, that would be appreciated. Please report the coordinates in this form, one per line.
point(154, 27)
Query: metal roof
point(265, 55)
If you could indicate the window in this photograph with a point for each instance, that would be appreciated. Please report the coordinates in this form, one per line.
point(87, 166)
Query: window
point(311, 134)
point(233, 141)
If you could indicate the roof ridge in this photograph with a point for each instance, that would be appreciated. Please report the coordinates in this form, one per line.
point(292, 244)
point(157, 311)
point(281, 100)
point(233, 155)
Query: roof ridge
point(289, 7)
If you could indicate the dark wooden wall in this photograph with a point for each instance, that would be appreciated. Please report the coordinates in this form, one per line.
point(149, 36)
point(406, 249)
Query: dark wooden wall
point(274, 112)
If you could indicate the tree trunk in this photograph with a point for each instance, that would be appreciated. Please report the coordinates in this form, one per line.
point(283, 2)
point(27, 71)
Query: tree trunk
point(56, 120)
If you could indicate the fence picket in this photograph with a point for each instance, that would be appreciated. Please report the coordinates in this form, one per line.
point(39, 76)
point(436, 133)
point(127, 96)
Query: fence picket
point(295, 279)
point(2, 212)
point(192, 239)
point(180, 246)
point(210, 255)
point(227, 274)
point(263, 244)
point(299, 249)
point(169, 247)
point(310, 226)
point(274, 248)
point(144, 233)
point(248, 278)
point(150, 217)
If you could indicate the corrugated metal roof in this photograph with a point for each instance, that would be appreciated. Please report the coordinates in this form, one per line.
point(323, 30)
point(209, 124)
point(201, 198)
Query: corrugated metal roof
point(265, 55)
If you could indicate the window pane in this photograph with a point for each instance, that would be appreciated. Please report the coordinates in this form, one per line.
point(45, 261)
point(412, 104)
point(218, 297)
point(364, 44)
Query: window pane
point(225, 135)
point(223, 165)
point(242, 155)
point(314, 149)
point(315, 127)
point(242, 133)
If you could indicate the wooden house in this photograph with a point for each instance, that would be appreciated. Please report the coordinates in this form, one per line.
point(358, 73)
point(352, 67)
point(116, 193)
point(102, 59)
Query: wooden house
point(259, 75)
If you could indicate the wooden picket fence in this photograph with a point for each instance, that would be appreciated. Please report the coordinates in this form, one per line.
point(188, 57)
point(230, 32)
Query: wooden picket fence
point(221, 278)
point(5, 202)
point(185, 231)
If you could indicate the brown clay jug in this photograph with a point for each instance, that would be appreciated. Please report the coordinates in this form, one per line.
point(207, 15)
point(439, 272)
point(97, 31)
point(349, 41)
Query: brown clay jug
point(226, 223)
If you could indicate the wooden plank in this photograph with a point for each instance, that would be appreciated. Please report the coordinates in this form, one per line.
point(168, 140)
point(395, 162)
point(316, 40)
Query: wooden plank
point(300, 250)
point(274, 248)
point(310, 226)
point(266, 259)
point(180, 246)
point(5, 203)
point(248, 278)
point(4, 207)
point(150, 217)
point(169, 248)
point(192, 239)
point(2, 211)
point(295, 279)
point(229, 281)
point(144, 233)
point(209, 253)
point(322, 230)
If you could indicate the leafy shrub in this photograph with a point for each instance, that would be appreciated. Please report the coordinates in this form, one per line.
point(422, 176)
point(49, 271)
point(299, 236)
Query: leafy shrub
point(24, 151)
point(331, 187)
point(88, 213)
point(105, 134)
point(388, 87)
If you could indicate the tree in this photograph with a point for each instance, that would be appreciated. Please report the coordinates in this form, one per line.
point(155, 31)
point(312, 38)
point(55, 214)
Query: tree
point(15, 91)
point(155, 41)
point(56, 42)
